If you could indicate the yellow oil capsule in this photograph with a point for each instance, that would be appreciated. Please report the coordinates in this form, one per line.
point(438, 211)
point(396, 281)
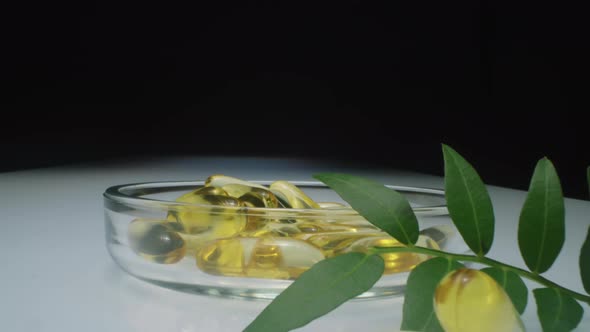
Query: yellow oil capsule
point(156, 241)
point(299, 229)
point(255, 222)
point(316, 227)
point(195, 195)
point(332, 244)
point(291, 196)
point(271, 229)
point(395, 262)
point(274, 258)
point(220, 180)
point(252, 196)
point(469, 300)
point(219, 215)
point(259, 198)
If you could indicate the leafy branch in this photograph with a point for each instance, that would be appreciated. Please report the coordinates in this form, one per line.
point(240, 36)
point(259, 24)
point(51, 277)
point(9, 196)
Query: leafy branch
point(541, 235)
point(485, 261)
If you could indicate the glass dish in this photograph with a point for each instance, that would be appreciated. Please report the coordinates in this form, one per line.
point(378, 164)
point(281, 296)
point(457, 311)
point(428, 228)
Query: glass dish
point(134, 204)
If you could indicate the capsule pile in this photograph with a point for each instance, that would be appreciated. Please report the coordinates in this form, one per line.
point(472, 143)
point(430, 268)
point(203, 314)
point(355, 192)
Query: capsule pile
point(232, 227)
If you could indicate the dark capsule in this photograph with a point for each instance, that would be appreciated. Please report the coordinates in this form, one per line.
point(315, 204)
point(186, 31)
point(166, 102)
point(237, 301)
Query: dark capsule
point(156, 240)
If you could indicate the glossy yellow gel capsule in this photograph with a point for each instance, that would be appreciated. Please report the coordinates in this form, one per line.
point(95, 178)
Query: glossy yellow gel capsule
point(300, 229)
point(274, 258)
point(156, 241)
point(469, 300)
point(215, 213)
point(395, 262)
point(252, 196)
point(220, 180)
point(332, 244)
point(193, 196)
point(291, 196)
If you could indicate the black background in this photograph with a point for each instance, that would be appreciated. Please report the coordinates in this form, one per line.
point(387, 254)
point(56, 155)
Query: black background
point(373, 84)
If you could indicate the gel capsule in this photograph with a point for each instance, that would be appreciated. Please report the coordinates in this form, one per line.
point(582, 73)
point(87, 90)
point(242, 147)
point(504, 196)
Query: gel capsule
point(332, 244)
point(252, 196)
point(220, 180)
point(291, 196)
point(469, 300)
point(156, 240)
point(275, 258)
point(395, 262)
point(299, 229)
point(220, 217)
point(194, 196)
point(270, 229)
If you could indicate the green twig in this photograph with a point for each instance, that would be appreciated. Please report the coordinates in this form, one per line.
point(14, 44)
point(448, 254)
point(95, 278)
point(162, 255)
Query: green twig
point(485, 261)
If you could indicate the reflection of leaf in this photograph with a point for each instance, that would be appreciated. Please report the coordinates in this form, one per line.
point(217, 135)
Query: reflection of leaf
point(418, 314)
point(468, 202)
point(585, 263)
point(319, 290)
point(541, 229)
point(512, 284)
point(557, 312)
point(381, 206)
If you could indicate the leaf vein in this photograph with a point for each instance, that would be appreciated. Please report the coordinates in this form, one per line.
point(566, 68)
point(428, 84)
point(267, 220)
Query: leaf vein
point(545, 218)
point(472, 205)
point(559, 308)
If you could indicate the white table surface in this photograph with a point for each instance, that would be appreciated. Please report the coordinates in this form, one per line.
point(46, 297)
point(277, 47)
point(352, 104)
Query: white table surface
point(56, 273)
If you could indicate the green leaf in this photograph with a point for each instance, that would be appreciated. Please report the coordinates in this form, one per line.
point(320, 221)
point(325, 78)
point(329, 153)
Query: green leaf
point(319, 290)
point(381, 206)
point(585, 263)
point(585, 253)
point(418, 311)
point(557, 312)
point(468, 202)
point(512, 284)
point(541, 229)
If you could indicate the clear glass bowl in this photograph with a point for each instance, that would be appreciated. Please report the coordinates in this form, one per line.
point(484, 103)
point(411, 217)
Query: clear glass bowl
point(133, 208)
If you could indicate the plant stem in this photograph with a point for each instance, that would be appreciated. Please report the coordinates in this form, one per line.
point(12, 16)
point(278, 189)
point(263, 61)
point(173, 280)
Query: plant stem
point(485, 261)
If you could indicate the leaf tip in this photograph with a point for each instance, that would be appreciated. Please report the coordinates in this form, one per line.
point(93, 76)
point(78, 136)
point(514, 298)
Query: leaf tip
point(446, 148)
point(447, 152)
point(545, 160)
point(323, 175)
